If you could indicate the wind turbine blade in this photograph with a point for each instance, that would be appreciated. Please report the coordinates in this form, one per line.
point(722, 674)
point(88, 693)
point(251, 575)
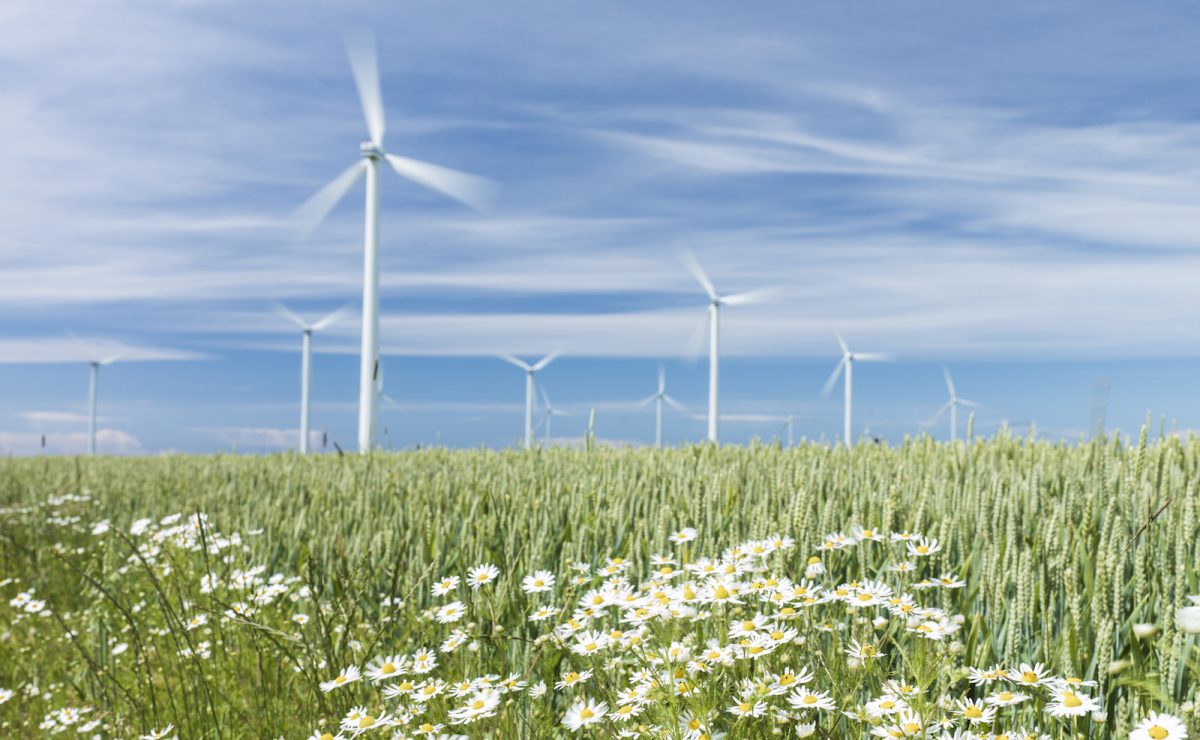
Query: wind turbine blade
point(873, 357)
point(941, 412)
point(290, 315)
point(695, 343)
point(833, 378)
point(333, 316)
point(841, 342)
point(949, 381)
point(674, 404)
point(313, 211)
point(545, 399)
point(363, 62)
point(752, 296)
point(390, 401)
point(477, 192)
point(546, 360)
point(662, 379)
point(688, 258)
point(645, 401)
point(113, 358)
point(514, 361)
point(970, 404)
point(87, 351)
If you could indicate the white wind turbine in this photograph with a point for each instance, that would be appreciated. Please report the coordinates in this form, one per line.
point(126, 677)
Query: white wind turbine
point(715, 301)
point(530, 370)
point(658, 399)
point(307, 330)
point(469, 189)
point(847, 364)
point(789, 422)
point(952, 406)
point(94, 377)
point(550, 411)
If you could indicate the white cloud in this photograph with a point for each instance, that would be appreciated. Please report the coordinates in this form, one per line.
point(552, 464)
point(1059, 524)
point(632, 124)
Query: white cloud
point(250, 439)
point(53, 418)
point(56, 350)
point(108, 442)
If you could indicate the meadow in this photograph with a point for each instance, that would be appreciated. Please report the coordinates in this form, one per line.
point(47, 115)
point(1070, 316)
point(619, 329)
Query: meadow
point(996, 588)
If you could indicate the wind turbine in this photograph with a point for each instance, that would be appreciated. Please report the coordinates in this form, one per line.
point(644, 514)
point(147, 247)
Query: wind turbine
point(952, 406)
point(847, 364)
point(789, 422)
point(658, 399)
point(469, 189)
point(94, 376)
point(530, 370)
point(307, 330)
point(550, 411)
point(715, 301)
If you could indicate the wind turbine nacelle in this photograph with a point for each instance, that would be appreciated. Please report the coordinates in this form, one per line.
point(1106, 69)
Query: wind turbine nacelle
point(370, 151)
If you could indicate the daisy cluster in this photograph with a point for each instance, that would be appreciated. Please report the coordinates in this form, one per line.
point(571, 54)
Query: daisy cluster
point(749, 641)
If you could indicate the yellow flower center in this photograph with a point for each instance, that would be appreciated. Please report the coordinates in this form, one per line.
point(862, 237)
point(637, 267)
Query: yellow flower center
point(810, 699)
point(912, 728)
point(366, 721)
point(387, 668)
point(787, 679)
point(426, 727)
point(747, 626)
point(1029, 677)
point(721, 592)
point(1006, 696)
point(478, 704)
point(586, 714)
point(1158, 732)
point(887, 705)
point(340, 680)
point(590, 646)
point(743, 707)
point(1071, 700)
point(973, 712)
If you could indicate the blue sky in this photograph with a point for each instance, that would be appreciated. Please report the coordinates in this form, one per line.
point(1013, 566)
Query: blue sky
point(1012, 191)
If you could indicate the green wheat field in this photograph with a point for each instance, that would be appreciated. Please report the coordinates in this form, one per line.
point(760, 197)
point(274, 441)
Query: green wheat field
point(1001, 588)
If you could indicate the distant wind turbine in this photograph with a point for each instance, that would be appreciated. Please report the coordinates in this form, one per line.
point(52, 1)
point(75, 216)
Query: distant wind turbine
point(469, 189)
point(530, 371)
point(658, 399)
point(952, 406)
point(94, 377)
point(789, 423)
point(550, 411)
point(307, 330)
point(847, 364)
point(714, 330)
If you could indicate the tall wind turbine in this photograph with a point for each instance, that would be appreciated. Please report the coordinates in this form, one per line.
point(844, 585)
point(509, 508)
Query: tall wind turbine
point(658, 399)
point(952, 406)
point(530, 371)
point(93, 378)
point(550, 411)
point(715, 301)
point(847, 364)
point(469, 189)
point(307, 330)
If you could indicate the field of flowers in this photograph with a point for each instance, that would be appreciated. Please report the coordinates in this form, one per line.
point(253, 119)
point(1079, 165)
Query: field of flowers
point(998, 589)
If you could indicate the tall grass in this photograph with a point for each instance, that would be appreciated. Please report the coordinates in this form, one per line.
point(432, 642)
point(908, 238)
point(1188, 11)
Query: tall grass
point(1064, 548)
